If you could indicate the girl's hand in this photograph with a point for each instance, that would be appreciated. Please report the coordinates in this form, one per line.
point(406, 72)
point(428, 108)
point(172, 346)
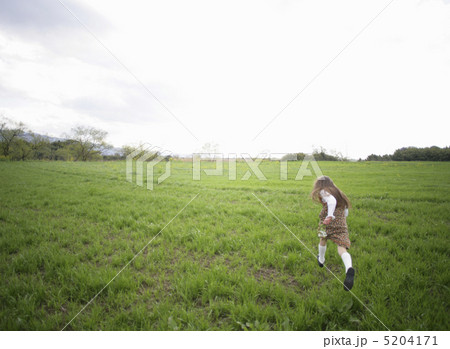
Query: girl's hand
point(327, 220)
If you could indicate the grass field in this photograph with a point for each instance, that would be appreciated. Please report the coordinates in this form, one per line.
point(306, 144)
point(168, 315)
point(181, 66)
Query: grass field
point(224, 263)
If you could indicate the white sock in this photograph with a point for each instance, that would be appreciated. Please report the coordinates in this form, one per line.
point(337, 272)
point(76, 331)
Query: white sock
point(347, 259)
point(322, 250)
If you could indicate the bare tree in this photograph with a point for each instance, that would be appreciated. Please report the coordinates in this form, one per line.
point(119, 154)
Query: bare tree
point(145, 149)
point(21, 150)
point(40, 146)
point(89, 142)
point(10, 132)
point(209, 150)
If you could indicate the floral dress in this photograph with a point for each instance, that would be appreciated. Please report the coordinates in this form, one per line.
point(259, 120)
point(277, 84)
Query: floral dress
point(337, 230)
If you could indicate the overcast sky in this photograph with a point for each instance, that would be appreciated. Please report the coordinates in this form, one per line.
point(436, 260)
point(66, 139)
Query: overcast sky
point(225, 69)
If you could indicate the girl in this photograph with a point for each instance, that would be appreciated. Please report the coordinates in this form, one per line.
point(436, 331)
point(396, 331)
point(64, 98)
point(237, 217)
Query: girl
point(333, 215)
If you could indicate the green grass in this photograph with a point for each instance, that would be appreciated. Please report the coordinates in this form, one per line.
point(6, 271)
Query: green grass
point(225, 263)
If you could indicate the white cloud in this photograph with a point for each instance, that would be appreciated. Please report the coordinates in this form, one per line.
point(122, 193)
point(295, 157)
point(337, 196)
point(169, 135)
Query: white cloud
point(227, 68)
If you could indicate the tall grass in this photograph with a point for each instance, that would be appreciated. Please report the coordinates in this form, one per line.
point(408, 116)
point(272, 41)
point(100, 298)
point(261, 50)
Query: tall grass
point(225, 263)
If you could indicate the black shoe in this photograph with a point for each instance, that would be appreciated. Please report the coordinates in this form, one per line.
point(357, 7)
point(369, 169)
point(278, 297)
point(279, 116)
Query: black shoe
point(349, 278)
point(320, 264)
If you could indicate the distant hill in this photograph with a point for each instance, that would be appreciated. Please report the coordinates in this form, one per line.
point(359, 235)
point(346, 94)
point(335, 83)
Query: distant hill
point(29, 136)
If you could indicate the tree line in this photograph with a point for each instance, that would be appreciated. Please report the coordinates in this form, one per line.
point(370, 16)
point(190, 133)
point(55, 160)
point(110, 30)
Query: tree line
point(88, 144)
point(320, 154)
point(414, 154)
point(81, 144)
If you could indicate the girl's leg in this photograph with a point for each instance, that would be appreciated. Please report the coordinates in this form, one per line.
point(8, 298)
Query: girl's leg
point(349, 271)
point(322, 250)
point(346, 258)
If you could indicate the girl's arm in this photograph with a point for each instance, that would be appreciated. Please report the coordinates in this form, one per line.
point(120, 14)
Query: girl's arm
point(331, 202)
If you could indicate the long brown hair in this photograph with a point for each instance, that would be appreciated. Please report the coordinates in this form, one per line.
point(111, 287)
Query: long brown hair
point(325, 183)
